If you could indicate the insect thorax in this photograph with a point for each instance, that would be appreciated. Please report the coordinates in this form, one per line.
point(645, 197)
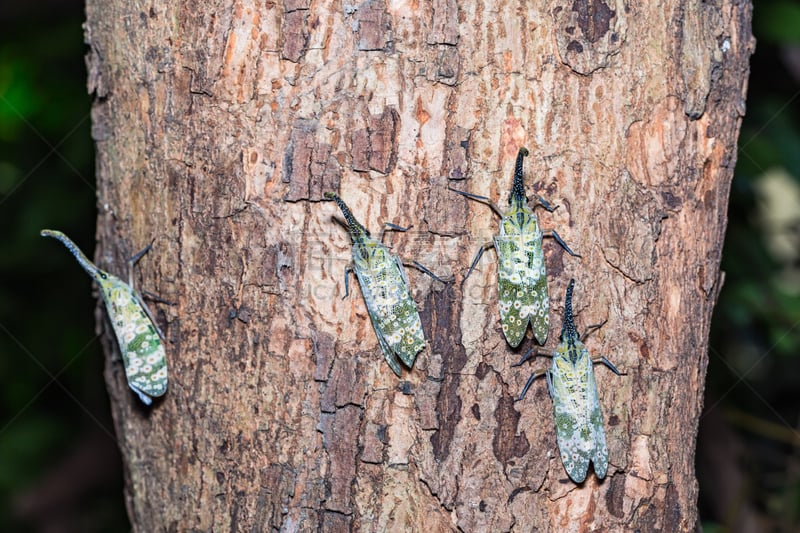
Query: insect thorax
point(573, 356)
point(112, 286)
point(370, 254)
point(520, 220)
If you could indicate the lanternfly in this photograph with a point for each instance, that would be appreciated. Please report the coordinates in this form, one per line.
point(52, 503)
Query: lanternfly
point(138, 337)
point(384, 285)
point(522, 283)
point(579, 421)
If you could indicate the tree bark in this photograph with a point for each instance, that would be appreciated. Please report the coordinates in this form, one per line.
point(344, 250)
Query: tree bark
point(219, 125)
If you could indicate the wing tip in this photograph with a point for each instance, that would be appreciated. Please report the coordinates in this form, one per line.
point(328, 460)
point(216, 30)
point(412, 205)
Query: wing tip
point(145, 397)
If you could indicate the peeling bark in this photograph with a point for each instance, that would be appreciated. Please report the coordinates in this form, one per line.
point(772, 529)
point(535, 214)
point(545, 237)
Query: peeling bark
point(220, 124)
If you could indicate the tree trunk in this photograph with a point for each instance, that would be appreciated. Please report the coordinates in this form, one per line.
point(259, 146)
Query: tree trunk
point(219, 125)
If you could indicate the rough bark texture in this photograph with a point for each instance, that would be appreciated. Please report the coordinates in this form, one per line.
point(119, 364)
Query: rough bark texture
point(219, 124)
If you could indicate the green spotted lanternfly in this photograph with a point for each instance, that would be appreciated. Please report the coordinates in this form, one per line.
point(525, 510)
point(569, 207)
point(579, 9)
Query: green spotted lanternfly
point(136, 332)
point(570, 380)
point(384, 285)
point(521, 279)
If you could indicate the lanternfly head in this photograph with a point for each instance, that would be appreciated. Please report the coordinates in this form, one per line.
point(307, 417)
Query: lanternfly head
point(356, 230)
point(87, 265)
point(518, 189)
point(568, 330)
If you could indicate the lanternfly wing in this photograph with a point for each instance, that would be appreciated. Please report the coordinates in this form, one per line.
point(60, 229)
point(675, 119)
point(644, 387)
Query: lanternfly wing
point(599, 447)
point(142, 352)
point(521, 280)
point(579, 423)
point(389, 304)
point(578, 418)
point(522, 284)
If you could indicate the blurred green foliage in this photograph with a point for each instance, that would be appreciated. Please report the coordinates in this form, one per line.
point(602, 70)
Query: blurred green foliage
point(52, 395)
point(776, 22)
point(754, 368)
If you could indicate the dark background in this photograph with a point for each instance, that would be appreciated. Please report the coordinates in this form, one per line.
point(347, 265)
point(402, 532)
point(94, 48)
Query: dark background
point(59, 467)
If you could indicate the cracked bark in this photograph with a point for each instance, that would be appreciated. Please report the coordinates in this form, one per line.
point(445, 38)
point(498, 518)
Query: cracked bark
point(218, 127)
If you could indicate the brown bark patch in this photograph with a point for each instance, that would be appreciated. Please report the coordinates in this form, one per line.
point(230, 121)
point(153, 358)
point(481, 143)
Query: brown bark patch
point(340, 439)
point(372, 443)
point(346, 384)
point(443, 213)
point(442, 315)
point(701, 56)
point(506, 442)
point(455, 165)
point(615, 496)
point(448, 63)
point(631, 248)
point(333, 522)
point(308, 166)
point(295, 30)
point(374, 147)
point(444, 23)
point(324, 354)
point(374, 26)
point(383, 132)
point(588, 33)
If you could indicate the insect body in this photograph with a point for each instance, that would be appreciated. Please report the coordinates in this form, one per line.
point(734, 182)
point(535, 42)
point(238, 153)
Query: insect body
point(522, 283)
point(384, 285)
point(137, 335)
point(570, 380)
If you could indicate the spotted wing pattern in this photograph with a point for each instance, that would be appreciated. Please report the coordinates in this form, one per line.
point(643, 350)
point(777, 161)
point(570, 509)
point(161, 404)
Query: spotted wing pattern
point(389, 304)
point(384, 285)
point(579, 422)
point(522, 285)
point(521, 280)
point(142, 351)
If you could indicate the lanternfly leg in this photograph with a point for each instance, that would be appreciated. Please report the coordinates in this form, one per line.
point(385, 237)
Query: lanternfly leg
point(481, 199)
point(135, 259)
point(478, 256)
point(155, 298)
point(132, 263)
point(347, 271)
point(530, 382)
point(609, 364)
point(591, 329)
point(552, 233)
point(533, 351)
point(393, 227)
point(545, 204)
point(425, 270)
